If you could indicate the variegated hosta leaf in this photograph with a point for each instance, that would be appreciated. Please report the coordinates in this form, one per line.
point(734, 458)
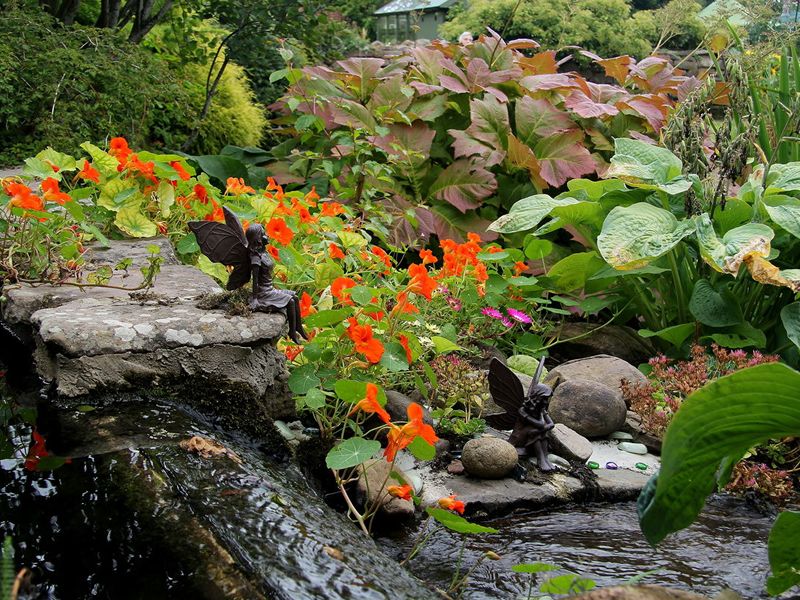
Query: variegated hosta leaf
point(784, 211)
point(727, 255)
point(783, 178)
point(765, 272)
point(635, 235)
point(646, 166)
point(528, 213)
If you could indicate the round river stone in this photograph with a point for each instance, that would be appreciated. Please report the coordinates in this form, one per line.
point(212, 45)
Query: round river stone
point(489, 457)
point(588, 407)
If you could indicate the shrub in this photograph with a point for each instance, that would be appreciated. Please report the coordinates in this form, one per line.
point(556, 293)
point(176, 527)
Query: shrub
point(62, 85)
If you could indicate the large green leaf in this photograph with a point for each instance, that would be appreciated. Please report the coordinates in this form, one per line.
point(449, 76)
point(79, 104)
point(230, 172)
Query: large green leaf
point(790, 317)
point(453, 522)
point(675, 335)
point(351, 452)
point(727, 255)
point(528, 213)
point(647, 166)
point(464, 185)
point(783, 178)
point(303, 379)
point(784, 553)
point(635, 235)
point(714, 308)
point(784, 211)
point(101, 160)
point(572, 272)
point(132, 222)
point(221, 167)
point(717, 423)
point(64, 162)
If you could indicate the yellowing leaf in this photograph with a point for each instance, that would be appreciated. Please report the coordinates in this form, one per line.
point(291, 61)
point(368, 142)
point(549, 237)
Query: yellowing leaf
point(208, 448)
point(764, 271)
point(134, 223)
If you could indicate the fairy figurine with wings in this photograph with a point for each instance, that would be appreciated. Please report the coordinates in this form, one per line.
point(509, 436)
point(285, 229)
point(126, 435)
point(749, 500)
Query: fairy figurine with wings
point(228, 243)
point(526, 414)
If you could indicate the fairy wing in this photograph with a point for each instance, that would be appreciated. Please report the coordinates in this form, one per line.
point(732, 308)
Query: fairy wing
point(507, 392)
point(222, 242)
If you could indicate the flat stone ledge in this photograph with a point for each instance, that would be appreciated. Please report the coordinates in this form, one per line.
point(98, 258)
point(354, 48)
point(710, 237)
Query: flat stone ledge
point(91, 327)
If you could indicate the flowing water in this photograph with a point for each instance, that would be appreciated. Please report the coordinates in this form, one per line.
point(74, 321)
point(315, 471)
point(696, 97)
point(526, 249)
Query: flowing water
point(725, 548)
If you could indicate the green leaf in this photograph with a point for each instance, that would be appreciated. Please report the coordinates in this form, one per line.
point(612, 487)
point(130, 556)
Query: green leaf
point(720, 421)
point(726, 256)
point(443, 345)
point(361, 295)
point(215, 270)
point(34, 167)
point(325, 273)
point(783, 178)
point(675, 335)
point(315, 399)
point(464, 185)
point(102, 161)
point(456, 523)
point(394, 357)
point(166, 197)
point(64, 162)
point(221, 167)
point(713, 308)
point(635, 235)
point(527, 213)
point(646, 166)
point(790, 317)
point(784, 553)
point(304, 378)
point(537, 567)
point(572, 272)
point(523, 363)
point(784, 211)
point(421, 449)
point(351, 453)
point(567, 584)
point(132, 222)
point(351, 239)
point(326, 318)
point(187, 244)
point(537, 249)
point(115, 192)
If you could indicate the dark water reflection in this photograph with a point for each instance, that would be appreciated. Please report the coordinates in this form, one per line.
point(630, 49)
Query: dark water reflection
point(725, 548)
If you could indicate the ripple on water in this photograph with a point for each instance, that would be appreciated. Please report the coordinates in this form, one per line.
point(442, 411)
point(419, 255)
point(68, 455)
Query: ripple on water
point(725, 548)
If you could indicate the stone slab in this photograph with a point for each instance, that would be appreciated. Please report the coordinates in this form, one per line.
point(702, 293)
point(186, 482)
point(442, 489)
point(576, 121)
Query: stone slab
point(621, 484)
point(91, 327)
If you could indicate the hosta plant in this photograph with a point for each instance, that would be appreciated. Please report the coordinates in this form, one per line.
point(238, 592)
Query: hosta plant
point(727, 275)
point(446, 134)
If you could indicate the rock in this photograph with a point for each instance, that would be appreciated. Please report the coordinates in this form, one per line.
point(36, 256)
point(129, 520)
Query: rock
point(558, 461)
point(608, 370)
point(397, 407)
point(442, 447)
point(632, 447)
point(373, 480)
point(621, 435)
point(633, 425)
point(456, 467)
point(639, 592)
point(489, 457)
point(569, 444)
point(614, 340)
point(589, 408)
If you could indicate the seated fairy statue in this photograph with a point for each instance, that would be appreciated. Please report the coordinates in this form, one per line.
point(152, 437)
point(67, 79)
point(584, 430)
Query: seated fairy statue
point(245, 251)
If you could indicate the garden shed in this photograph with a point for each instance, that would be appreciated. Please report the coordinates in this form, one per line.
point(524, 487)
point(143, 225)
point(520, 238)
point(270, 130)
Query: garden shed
point(402, 20)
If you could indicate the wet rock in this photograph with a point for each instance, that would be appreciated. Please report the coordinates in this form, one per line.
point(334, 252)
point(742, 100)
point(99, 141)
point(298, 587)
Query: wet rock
point(489, 457)
point(569, 444)
point(633, 425)
point(605, 369)
point(397, 407)
point(639, 592)
point(615, 340)
point(558, 461)
point(456, 467)
point(632, 447)
point(590, 408)
point(373, 480)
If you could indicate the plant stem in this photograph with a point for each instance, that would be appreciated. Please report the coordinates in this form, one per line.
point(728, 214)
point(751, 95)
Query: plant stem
point(458, 564)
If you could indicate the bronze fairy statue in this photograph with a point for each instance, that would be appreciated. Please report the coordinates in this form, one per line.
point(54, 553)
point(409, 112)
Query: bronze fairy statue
point(525, 414)
point(245, 251)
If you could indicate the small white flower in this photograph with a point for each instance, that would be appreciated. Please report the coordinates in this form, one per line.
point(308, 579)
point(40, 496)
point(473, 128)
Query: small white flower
point(426, 342)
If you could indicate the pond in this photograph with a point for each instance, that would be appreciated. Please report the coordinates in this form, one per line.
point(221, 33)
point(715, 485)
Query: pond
point(725, 548)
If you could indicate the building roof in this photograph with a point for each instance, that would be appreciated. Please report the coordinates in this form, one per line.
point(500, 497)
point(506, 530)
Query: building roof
point(730, 9)
point(401, 6)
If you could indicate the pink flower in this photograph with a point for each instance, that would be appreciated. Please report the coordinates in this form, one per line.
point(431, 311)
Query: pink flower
point(518, 315)
point(492, 312)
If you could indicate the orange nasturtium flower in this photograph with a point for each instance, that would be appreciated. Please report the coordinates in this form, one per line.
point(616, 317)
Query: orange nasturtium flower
point(400, 437)
point(450, 503)
point(361, 335)
point(312, 197)
point(216, 214)
point(88, 172)
point(23, 197)
point(338, 287)
point(118, 148)
point(236, 187)
point(369, 404)
point(421, 283)
point(400, 491)
point(182, 173)
point(306, 307)
point(273, 252)
point(334, 251)
point(201, 193)
point(404, 343)
point(403, 305)
point(291, 352)
point(520, 267)
point(427, 257)
point(385, 258)
point(51, 193)
point(279, 231)
point(331, 209)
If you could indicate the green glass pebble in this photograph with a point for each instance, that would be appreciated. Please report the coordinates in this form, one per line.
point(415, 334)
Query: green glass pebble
point(592, 465)
point(641, 466)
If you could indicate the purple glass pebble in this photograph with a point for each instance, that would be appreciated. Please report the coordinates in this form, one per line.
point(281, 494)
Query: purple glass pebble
point(612, 465)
